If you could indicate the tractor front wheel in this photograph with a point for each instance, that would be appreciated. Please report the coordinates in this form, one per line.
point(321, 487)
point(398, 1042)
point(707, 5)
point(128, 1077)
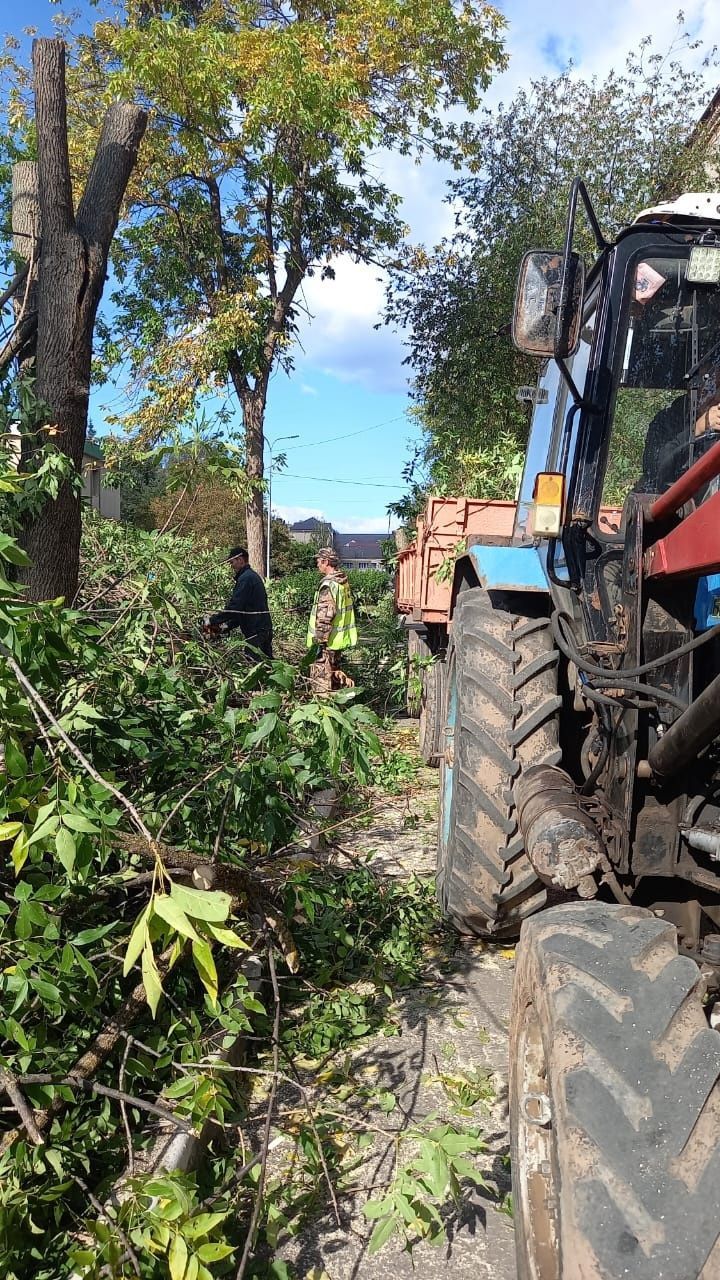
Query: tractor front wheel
point(614, 1101)
point(501, 716)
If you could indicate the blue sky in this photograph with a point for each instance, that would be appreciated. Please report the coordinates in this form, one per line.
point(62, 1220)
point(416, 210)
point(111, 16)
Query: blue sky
point(349, 380)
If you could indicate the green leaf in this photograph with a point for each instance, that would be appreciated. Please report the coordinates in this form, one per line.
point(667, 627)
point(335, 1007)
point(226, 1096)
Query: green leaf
point(9, 550)
point(151, 978)
point(214, 1252)
point(138, 938)
point(205, 965)
point(46, 990)
point(87, 936)
point(65, 847)
point(79, 823)
point(177, 1258)
point(8, 830)
point(377, 1208)
point(54, 1159)
point(202, 904)
point(46, 828)
point(227, 937)
point(15, 762)
point(202, 1223)
point(19, 852)
point(168, 910)
point(456, 1144)
point(383, 1232)
point(266, 725)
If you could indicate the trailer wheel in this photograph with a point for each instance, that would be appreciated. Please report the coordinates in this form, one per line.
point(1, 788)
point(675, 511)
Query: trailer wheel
point(502, 709)
point(614, 1102)
point(431, 711)
point(417, 647)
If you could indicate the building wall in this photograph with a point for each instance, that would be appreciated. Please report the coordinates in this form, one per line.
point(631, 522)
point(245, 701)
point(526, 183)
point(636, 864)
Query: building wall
point(362, 564)
point(324, 536)
point(103, 500)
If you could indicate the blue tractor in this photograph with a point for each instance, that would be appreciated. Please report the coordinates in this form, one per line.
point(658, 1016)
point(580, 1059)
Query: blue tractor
point(580, 766)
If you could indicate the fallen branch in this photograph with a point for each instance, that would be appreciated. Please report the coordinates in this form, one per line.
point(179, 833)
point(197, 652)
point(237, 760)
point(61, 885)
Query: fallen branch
point(105, 1091)
point(97, 1053)
point(265, 1147)
point(82, 759)
point(11, 1087)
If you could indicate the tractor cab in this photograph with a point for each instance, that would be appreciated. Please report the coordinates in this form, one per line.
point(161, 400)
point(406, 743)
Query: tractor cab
point(629, 395)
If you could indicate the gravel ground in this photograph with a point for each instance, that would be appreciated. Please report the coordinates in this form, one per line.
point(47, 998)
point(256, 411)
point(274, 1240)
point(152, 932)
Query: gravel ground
point(454, 1022)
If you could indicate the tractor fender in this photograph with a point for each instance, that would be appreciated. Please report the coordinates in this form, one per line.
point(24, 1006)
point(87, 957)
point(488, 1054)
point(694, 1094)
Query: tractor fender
point(507, 569)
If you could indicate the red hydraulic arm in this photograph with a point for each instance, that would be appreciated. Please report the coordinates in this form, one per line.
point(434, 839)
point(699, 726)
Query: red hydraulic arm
point(700, 473)
point(693, 547)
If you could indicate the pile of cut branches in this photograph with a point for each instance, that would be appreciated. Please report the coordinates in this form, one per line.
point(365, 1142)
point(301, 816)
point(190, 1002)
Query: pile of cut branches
point(152, 786)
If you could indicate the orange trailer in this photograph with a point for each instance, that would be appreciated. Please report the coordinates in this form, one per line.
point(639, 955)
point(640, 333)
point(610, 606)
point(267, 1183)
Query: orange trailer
point(444, 524)
point(423, 594)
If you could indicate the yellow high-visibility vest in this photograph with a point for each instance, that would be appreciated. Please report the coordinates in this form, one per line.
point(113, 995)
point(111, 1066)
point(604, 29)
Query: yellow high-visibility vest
point(343, 632)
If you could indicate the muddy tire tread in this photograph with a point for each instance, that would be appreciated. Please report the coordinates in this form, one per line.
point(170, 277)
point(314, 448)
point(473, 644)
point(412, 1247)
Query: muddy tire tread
point(634, 1072)
point(507, 719)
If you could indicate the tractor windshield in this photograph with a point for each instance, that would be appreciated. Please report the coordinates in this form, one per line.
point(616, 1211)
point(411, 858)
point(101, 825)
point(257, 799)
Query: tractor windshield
point(661, 420)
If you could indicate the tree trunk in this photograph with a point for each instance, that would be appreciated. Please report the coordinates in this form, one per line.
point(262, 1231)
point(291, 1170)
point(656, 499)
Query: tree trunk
point(73, 263)
point(26, 231)
point(253, 407)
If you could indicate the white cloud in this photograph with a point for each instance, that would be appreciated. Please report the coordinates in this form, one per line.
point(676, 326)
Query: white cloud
point(341, 339)
point(307, 390)
point(291, 514)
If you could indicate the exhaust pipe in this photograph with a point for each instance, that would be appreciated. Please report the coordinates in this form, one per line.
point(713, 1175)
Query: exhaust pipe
point(687, 736)
point(561, 840)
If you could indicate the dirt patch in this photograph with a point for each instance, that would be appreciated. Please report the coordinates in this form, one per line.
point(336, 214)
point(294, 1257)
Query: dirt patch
point(440, 1057)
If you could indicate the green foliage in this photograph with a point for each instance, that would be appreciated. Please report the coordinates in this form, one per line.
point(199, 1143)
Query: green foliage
point(635, 408)
point(120, 726)
point(632, 138)
point(465, 1089)
point(433, 1174)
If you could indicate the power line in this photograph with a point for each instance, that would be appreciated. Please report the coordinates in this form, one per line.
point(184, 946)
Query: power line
point(348, 436)
point(367, 484)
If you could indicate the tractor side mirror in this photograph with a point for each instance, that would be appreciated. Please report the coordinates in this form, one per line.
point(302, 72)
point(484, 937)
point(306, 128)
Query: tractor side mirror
point(548, 305)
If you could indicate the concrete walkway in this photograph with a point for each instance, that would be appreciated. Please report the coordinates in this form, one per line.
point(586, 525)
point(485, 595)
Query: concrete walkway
point(450, 1029)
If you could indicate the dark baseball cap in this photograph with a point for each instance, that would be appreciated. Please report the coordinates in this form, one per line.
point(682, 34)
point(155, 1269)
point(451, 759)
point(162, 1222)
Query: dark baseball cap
point(237, 551)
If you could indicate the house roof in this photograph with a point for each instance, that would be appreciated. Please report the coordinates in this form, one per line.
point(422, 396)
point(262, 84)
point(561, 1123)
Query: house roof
point(311, 524)
point(360, 546)
point(92, 450)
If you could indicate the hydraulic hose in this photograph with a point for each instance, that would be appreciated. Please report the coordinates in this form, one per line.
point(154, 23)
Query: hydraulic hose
point(559, 616)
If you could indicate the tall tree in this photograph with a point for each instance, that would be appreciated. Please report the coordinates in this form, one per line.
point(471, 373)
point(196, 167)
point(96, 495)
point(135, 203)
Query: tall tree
point(259, 172)
point(72, 265)
point(632, 138)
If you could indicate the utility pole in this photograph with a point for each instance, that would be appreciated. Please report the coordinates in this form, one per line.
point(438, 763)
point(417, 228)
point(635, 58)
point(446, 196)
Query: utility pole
point(270, 446)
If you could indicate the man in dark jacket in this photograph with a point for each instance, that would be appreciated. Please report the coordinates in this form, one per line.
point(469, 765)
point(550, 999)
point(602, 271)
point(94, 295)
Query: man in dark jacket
point(247, 607)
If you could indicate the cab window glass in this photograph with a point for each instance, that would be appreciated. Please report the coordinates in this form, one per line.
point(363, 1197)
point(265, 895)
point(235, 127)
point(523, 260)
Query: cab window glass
point(661, 421)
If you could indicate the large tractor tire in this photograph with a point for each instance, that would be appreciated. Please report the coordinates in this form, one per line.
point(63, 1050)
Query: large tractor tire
point(614, 1102)
point(431, 712)
point(501, 716)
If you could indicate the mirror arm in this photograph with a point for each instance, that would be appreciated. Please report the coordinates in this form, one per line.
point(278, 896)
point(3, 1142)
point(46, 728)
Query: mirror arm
point(578, 189)
point(600, 240)
point(580, 400)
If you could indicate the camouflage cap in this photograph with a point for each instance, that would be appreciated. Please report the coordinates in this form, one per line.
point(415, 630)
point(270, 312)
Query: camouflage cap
point(329, 554)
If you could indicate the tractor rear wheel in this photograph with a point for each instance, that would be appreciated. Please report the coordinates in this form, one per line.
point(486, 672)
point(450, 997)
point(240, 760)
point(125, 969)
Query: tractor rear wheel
point(501, 716)
point(614, 1101)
